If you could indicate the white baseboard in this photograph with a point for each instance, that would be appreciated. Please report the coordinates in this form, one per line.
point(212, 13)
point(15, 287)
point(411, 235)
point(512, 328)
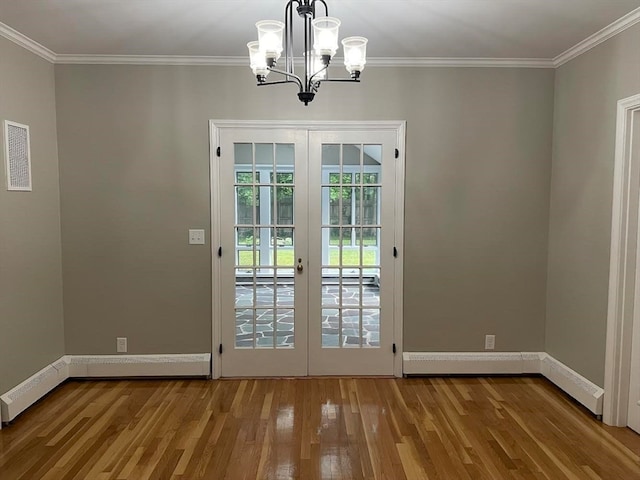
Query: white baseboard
point(515, 363)
point(459, 363)
point(19, 398)
point(86, 366)
point(581, 389)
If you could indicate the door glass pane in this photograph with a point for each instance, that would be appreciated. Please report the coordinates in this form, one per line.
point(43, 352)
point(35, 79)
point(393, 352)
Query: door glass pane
point(284, 249)
point(349, 249)
point(350, 233)
point(264, 161)
point(245, 246)
point(367, 206)
point(247, 205)
point(244, 328)
point(245, 292)
point(264, 292)
point(285, 157)
point(283, 206)
point(264, 328)
point(264, 243)
point(245, 176)
point(371, 327)
point(264, 236)
point(351, 157)
point(368, 241)
point(331, 205)
point(371, 160)
point(243, 154)
point(285, 332)
point(345, 202)
point(351, 331)
point(371, 287)
point(330, 155)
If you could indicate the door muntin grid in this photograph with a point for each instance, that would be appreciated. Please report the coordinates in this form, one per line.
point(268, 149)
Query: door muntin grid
point(264, 232)
point(351, 234)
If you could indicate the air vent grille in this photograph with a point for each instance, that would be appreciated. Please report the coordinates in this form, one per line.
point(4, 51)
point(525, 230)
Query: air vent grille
point(18, 156)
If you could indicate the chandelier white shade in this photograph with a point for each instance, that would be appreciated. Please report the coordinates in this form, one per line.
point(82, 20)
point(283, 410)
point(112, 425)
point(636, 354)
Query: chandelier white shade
point(270, 38)
point(257, 60)
point(355, 53)
point(320, 44)
point(325, 34)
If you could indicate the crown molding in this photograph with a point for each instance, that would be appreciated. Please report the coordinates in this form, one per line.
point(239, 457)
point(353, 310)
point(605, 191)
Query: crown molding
point(149, 60)
point(242, 61)
point(19, 39)
point(460, 62)
point(597, 38)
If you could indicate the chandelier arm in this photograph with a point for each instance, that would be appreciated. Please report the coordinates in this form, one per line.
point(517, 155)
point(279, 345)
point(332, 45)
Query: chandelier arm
point(347, 80)
point(326, 9)
point(318, 72)
point(290, 76)
point(307, 57)
point(277, 83)
point(288, 35)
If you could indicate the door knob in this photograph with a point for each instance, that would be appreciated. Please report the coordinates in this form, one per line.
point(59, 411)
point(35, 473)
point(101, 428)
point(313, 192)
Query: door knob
point(299, 267)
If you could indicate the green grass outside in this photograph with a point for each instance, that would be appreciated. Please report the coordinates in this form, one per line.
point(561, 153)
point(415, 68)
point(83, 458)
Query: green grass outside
point(286, 258)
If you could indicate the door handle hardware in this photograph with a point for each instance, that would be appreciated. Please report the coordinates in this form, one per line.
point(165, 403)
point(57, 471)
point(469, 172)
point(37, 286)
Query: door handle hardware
point(300, 268)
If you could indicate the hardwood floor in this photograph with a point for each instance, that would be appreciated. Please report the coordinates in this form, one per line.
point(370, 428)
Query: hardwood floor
point(329, 428)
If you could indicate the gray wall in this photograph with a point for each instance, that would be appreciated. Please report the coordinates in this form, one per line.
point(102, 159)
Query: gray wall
point(587, 91)
point(134, 168)
point(31, 320)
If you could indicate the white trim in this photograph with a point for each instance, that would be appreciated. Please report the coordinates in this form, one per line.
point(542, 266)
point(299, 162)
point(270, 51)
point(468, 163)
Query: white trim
point(459, 363)
point(622, 270)
point(215, 125)
point(25, 42)
point(597, 38)
point(19, 398)
point(460, 62)
point(66, 59)
point(510, 363)
point(243, 61)
point(587, 393)
point(311, 125)
point(167, 365)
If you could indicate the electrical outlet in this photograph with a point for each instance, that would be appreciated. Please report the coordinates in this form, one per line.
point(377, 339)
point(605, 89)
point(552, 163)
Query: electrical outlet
point(196, 237)
point(121, 344)
point(489, 342)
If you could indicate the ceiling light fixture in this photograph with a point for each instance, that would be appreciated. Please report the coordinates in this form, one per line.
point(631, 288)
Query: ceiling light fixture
point(320, 45)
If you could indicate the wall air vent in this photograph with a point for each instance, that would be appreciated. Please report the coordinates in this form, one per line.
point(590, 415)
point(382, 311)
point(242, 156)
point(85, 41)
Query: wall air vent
point(17, 156)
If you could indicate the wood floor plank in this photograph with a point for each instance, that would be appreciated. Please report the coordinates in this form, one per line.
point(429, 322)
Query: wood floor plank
point(451, 428)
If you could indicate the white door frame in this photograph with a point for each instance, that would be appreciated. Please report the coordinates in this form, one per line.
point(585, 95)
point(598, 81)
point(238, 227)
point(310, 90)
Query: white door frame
point(214, 141)
point(624, 279)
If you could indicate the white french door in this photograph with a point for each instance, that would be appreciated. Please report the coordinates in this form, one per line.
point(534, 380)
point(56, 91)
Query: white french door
point(263, 234)
point(351, 242)
point(305, 276)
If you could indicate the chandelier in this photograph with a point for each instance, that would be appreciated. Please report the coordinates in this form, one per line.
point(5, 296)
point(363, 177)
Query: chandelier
point(320, 45)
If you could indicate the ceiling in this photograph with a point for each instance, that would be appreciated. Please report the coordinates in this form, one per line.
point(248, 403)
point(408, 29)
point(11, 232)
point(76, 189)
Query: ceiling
point(498, 29)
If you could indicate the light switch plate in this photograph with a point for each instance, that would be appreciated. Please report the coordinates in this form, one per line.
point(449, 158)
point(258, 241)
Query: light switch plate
point(489, 342)
point(121, 344)
point(196, 237)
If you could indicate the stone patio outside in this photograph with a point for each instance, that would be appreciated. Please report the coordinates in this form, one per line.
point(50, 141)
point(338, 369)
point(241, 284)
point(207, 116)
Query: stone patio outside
point(355, 311)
